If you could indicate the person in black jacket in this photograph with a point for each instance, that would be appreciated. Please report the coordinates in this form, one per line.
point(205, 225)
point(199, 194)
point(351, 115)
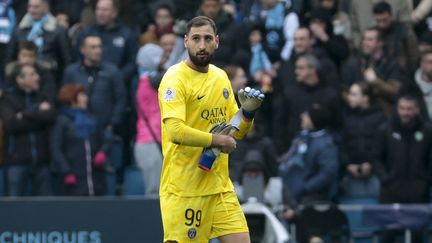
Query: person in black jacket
point(77, 146)
point(303, 44)
point(336, 46)
point(358, 147)
point(27, 115)
point(306, 91)
point(404, 165)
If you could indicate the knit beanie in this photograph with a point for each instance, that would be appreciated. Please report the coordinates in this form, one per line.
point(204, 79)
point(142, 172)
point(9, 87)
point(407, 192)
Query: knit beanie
point(149, 57)
point(319, 115)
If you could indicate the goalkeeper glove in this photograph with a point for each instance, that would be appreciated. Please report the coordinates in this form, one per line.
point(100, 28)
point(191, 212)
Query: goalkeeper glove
point(250, 101)
point(209, 154)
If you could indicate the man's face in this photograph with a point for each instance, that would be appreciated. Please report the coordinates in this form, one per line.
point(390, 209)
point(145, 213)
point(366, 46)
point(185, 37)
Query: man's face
point(211, 8)
point(63, 20)
point(383, 20)
point(201, 43)
point(426, 66)
point(163, 18)
point(302, 70)
point(167, 42)
point(106, 13)
point(355, 96)
point(28, 79)
point(328, 4)
point(306, 121)
point(27, 56)
point(370, 42)
point(92, 49)
point(302, 41)
point(407, 110)
point(37, 9)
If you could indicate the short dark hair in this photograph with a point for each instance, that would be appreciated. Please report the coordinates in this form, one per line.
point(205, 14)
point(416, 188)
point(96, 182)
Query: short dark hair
point(27, 45)
point(201, 21)
point(69, 93)
point(115, 3)
point(366, 89)
point(380, 35)
point(163, 5)
point(17, 70)
point(304, 27)
point(201, 2)
point(319, 115)
point(424, 54)
point(410, 97)
point(382, 7)
point(84, 39)
point(231, 71)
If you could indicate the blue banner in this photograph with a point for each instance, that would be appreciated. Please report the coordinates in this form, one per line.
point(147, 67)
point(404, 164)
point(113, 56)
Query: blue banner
point(80, 220)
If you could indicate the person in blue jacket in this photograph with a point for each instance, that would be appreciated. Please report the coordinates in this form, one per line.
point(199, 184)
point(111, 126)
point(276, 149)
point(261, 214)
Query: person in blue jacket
point(310, 167)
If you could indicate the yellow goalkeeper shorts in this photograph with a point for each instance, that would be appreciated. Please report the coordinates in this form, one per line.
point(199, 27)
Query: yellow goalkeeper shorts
point(198, 219)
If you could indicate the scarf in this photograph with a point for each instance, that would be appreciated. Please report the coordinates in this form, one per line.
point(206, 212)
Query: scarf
point(292, 169)
point(83, 125)
point(7, 17)
point(275, 17)
point(36, 32)
point(4, 6)
point(259, 61)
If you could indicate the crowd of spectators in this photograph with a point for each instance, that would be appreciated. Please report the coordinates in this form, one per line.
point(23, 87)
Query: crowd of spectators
point(348, 92)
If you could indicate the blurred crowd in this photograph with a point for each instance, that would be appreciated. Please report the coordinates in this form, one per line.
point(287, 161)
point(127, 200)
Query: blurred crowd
point(348, 89)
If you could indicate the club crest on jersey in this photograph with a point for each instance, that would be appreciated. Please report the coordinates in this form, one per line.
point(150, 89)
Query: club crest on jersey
point(225, 93)
point(169, 94)
point(192, 233)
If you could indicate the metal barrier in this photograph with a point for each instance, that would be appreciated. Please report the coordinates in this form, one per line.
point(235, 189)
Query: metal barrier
point(369, 219)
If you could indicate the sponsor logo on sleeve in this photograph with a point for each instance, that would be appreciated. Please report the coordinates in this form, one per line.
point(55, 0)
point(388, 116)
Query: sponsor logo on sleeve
point(225, 93)
point(169, 94)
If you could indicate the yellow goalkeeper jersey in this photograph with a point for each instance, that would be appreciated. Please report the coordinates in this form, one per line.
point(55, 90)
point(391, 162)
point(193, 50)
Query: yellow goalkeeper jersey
point(201, 100)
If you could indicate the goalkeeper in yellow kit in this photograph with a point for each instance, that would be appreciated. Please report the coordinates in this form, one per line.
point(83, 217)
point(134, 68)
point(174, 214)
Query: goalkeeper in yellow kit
point(197, 198)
